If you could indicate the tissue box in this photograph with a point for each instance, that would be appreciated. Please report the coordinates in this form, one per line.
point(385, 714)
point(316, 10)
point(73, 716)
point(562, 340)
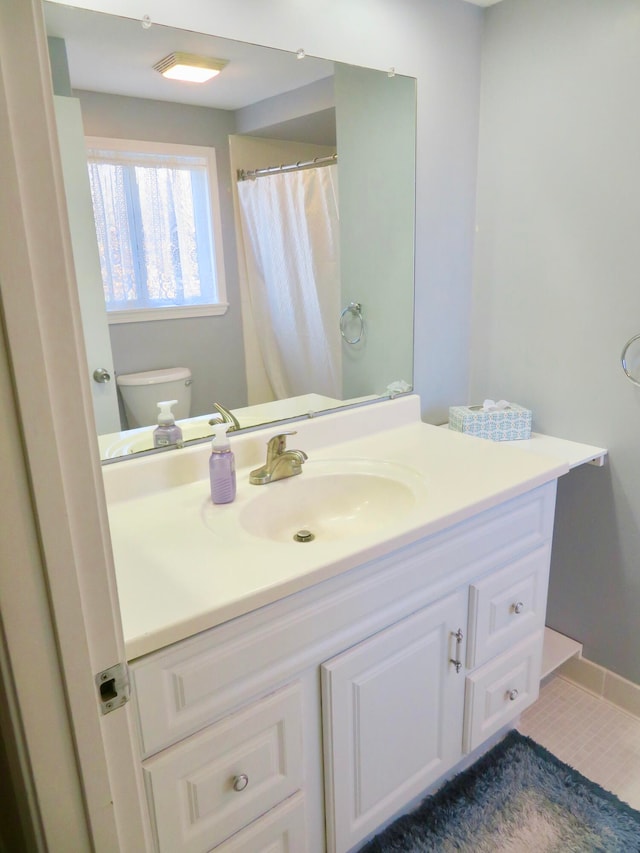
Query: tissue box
point(510, 424)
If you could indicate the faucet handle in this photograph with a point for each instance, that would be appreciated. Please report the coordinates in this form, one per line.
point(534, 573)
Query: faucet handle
point(278, 443)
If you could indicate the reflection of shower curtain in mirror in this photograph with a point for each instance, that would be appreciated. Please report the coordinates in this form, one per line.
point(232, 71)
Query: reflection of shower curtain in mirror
point(291, 238)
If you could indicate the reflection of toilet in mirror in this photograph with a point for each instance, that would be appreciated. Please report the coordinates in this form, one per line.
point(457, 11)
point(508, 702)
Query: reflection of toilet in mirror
point(141, 393)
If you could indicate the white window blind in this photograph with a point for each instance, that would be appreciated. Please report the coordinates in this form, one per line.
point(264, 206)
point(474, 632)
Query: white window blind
point(157, 225)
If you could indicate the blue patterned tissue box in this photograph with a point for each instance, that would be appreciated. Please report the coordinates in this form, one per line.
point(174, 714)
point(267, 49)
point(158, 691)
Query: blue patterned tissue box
point(511, 423)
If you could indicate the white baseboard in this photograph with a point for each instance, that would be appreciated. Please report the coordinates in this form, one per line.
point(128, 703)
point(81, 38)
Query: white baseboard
point(603, 683)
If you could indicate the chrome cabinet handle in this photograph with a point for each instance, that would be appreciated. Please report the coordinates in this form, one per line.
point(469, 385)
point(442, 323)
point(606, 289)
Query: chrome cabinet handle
point(101, 374)
point(518, 607)
point(456, 660)
point(240, 782)
point(513, 694)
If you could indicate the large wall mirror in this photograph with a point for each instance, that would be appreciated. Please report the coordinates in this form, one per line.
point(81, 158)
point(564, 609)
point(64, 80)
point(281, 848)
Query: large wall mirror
point(324, 321)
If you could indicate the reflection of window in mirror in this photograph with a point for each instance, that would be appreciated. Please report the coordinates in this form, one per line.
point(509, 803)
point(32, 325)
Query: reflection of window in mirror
point(157, 222)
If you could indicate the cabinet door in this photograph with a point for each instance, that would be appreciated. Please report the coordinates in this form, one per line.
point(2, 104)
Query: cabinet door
point(392, 718)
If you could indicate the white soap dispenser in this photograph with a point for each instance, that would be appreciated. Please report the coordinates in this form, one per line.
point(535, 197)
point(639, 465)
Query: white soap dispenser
point(167, 432)
point(222, 466)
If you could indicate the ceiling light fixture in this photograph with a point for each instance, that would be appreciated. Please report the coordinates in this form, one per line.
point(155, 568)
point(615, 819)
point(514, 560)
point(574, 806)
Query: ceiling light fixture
point(189, 67)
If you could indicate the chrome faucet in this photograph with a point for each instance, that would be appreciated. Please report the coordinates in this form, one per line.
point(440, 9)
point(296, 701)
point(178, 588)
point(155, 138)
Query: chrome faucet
point(225, 417)
point(280, 462)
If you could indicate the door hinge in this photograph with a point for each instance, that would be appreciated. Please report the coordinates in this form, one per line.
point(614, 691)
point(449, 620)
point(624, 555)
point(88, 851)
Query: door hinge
point(113, 687)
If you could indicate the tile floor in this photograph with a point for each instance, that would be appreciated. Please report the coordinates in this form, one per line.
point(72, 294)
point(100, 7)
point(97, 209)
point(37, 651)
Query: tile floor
point(590, 734)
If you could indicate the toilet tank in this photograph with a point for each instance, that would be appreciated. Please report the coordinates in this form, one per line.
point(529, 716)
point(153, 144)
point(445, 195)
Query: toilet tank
point(141, 393)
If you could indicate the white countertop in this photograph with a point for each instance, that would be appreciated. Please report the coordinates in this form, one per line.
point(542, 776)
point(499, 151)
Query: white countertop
point(572, 452)
point(184, 565)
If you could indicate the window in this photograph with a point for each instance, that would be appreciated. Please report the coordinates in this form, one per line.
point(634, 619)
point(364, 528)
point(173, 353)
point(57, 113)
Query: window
point(158, 228)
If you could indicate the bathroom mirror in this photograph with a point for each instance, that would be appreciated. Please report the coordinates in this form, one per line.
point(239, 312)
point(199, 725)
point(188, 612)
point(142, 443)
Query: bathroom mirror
point(267, 107)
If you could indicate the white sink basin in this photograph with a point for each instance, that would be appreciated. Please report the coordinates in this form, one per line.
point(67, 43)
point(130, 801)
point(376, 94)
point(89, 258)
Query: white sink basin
point(332, 500)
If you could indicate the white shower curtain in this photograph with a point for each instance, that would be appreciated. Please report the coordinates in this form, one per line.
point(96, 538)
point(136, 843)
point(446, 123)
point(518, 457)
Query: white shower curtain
point(291, 238)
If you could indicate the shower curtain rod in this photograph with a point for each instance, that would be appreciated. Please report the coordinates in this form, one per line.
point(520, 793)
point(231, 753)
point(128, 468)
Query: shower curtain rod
point(291, 167)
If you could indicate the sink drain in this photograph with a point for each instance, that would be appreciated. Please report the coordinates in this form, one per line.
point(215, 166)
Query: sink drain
point(304, 536)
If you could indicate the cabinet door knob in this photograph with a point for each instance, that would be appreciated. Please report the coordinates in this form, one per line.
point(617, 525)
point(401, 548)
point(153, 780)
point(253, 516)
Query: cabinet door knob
point(240, 782)
point(513, 694)
point(518, 607)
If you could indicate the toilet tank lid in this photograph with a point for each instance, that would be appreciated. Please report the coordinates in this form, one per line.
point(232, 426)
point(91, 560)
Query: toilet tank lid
point(153, 377)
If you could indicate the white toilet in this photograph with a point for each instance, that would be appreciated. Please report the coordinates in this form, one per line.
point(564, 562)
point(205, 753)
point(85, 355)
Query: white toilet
point(141, 393)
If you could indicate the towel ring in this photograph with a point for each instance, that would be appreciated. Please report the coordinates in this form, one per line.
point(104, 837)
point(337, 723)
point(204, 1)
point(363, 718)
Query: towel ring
point(623, 360)
point(354, 308)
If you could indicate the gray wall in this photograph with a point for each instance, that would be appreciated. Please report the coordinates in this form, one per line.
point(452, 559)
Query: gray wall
point(308, 109)
point(439, 42)
point(211, 347)
point(59, 66)
point(556, 284)
point(376, 135)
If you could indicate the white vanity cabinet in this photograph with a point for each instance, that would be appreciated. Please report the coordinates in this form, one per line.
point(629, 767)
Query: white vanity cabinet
point(304, 725)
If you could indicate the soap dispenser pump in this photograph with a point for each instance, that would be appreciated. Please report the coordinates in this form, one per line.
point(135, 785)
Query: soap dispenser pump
point(167, 432)
point(222, 466)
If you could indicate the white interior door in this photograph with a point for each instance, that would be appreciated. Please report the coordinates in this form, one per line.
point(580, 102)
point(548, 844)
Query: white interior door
point(87, 263)
point(70, 570)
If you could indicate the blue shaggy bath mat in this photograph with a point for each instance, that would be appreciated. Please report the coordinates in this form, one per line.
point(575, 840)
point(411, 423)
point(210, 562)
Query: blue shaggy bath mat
point(518, 798)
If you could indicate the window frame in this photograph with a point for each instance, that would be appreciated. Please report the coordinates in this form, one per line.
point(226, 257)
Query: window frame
point(174, 312)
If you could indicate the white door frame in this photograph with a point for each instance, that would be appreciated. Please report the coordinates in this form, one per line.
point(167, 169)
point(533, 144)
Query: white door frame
point(59, 606)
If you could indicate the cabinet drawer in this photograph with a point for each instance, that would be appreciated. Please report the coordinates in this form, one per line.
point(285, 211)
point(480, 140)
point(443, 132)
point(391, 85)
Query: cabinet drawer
point(206, 788)
point(282, 830)
point(506, 606)
point(500, 690)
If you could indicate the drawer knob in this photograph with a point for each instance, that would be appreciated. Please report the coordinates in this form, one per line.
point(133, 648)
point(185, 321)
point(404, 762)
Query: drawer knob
point(513, 694)
point(518, 607)
point(240, 782)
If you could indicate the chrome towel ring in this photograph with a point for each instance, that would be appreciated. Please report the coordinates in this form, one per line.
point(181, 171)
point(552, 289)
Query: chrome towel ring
point(354, 308)
point(623, 360)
